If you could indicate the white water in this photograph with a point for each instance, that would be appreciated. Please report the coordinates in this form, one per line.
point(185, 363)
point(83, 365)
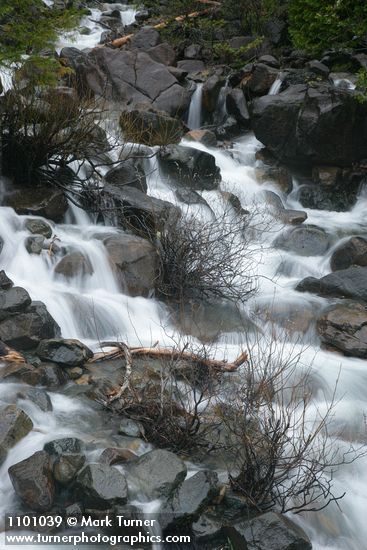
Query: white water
point(275, 87)
point(195, 110)
point(94, 308)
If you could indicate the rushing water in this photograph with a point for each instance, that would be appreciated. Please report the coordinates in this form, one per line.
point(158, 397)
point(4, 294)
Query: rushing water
point(195, 110)
point(93, 308)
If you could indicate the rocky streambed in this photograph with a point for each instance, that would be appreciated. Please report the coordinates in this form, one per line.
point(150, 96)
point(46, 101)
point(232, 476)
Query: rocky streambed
point(71, 280)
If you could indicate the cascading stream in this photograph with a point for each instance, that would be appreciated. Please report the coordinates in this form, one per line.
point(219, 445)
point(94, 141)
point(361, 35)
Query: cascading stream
point(93, 308)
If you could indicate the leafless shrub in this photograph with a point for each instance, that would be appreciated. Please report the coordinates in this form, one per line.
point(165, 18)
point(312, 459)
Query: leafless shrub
point(206, 260)
point(285, 455)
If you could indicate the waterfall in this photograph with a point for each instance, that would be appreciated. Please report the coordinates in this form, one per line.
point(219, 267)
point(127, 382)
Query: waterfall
point(275, 87)
point(194, 116)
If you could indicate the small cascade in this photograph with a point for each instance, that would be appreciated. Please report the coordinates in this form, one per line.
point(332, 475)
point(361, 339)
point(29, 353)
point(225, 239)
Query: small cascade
point(221, 110)
point(194, 116)
point(275, 87)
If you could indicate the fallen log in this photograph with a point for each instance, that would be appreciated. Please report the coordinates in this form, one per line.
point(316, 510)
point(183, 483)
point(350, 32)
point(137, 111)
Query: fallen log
point(156, 352)
point(119, 42)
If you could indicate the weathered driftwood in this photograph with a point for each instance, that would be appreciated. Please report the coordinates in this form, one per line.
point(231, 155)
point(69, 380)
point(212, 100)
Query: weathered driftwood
point(119, 42)
point(120, 350)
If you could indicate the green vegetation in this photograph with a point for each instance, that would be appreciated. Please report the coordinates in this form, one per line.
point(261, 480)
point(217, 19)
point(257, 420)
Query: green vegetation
point(316, 25)
point(28, 32)
point(361, 86)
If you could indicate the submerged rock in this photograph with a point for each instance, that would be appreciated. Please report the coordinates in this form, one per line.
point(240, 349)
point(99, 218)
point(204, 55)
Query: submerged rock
point(33, 481)
point(14, 425)
point(306, 240)
point(34, 244)
point(65, 352)
point(127, 172)
point(38, 397)
point(158, 473)
point(74, 264)
point(344, 327)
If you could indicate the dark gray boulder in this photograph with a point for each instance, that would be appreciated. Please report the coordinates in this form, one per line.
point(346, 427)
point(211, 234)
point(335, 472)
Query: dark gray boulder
point(5, 282)
point(351, 252)
point(38, 227)
point(37, 396)
point(158, 473)
point(190, 499)
point(344, 327)
point(14, 425)
point(33, 481)
point(260, 79)
point(25, 330)
point(68, 353)
point(135, 261)
point(346, 283)
point(65, 445)
point(306, 240)
point(270, 531)
point(101, 486)
point(316, 124)
point(189, 167)
point(40, 200)
point(12, 301)
point(138, 211)
point(127, 172)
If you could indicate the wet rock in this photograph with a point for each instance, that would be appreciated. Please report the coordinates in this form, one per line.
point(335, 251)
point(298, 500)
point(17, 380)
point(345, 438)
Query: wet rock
point(51, 376)
point(189, 196)
point(65, 445)
point(191, 66)
point(293, 217)
point(39, 200)
point(307, 240)
point(25, 330)
point(20, 372)
point(352, 252)
point(346, 283)
point(127, 172)
point(38, 397)
point(207, 529)
point(318, 125)
point(35, 244)
point(14, 300)
point(206, 137)
point(129, 76)
point(75, 373)
point(260, 79)
point(68, 353)
point(145, 38)
point(229, 129)
point(14, 425)
point(339, 197)
point(318, 68)
point(5, 282)
point(326, 175)
point(269, 60)
point(190, 499)
point(190, 167)
point(101, 486)
point(67, 466)
point(270, 531)
point(210, 93)
point(237, 107)
point(114, 455)
point(130, 428)
point(344, 327)
point(163, 53)
point(136, 210)
point(38, 227)
point(135, 261)
point(33, 481)
point(291, 316)
point(151, 127)
point(74, 264)
point(158, 473)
